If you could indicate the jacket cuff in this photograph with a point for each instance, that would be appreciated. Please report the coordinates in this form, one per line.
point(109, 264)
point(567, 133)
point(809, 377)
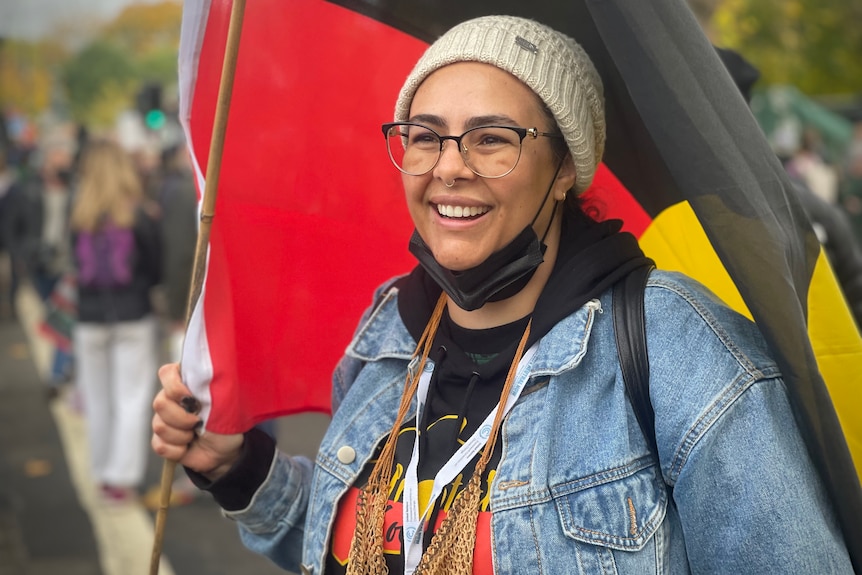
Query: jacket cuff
point(234, 490)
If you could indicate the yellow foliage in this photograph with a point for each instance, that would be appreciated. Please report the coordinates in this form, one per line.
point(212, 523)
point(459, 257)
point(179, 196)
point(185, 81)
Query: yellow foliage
point(113, 98)
point(797, 42)
point(143, 28)
point(27, 75)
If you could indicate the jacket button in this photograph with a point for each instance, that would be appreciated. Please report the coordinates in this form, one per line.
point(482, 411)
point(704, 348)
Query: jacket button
point(346, 455)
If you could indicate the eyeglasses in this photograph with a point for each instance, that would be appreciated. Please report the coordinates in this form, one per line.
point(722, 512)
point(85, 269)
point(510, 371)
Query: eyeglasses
point(489, 151)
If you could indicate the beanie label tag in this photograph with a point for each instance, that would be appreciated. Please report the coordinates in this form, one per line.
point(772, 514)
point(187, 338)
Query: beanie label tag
point(526, 44)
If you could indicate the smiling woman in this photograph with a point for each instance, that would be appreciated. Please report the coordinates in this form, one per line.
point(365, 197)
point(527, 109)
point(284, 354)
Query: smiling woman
point(481, 423)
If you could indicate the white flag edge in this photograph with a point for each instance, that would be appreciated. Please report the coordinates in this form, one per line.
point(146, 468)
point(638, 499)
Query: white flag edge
point(196, 361)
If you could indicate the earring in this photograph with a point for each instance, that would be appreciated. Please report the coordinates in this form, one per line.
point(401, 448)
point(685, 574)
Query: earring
point(449, 184)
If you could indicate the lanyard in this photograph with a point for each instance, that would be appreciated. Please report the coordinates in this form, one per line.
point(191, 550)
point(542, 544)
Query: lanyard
point(413, 519)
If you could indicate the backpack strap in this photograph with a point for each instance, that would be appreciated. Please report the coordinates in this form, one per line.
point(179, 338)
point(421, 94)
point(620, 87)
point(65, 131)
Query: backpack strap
point(630, 333)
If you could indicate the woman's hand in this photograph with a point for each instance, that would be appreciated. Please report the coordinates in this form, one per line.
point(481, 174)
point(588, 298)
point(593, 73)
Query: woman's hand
point(174, 436)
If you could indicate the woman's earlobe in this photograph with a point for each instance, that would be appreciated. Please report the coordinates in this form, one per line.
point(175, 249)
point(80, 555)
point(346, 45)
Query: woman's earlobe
point(566, 178)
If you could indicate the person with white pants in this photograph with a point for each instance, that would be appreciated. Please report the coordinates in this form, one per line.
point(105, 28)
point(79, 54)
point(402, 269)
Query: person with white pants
point(116, 364)
point(118, 260)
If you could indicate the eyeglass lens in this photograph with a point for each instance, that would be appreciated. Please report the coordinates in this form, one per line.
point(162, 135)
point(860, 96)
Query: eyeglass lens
point(490, 152)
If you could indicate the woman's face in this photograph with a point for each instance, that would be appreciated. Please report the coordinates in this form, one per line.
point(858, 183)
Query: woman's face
point(452, 100)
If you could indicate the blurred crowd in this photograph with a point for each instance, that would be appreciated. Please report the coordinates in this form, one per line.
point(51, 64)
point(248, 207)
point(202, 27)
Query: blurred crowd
point(104, 234)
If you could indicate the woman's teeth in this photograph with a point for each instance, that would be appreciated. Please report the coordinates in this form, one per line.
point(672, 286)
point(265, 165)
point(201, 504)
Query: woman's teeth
point(460, 211)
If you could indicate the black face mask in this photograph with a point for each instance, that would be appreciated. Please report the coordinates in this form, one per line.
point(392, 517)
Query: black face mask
point(502, 275)
point(505, 273)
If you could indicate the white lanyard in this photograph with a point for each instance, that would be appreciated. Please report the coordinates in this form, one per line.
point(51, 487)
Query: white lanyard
point(413, 519)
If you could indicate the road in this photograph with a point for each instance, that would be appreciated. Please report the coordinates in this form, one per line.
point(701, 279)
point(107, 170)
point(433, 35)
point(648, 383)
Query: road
point(51, 521)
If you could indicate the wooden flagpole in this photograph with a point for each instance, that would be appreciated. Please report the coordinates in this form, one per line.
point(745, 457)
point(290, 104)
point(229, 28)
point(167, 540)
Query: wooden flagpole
point(207, 213)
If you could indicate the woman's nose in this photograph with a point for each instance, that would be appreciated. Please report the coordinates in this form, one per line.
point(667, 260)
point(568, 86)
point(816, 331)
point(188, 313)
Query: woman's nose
point(451, 164)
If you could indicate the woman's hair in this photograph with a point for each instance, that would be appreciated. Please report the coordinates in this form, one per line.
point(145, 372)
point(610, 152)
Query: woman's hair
point(109, 188)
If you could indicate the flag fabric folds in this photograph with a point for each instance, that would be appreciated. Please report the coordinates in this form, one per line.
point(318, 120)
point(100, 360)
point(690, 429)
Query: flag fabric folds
point(310, 215)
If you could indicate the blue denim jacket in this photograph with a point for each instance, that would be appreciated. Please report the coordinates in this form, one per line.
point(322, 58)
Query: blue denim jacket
point(576, 490)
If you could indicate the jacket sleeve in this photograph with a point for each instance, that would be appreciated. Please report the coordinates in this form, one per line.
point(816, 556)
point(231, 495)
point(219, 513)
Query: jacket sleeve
point(749, 483)
point(273, 524)
point(748, 495)
point(266, 492)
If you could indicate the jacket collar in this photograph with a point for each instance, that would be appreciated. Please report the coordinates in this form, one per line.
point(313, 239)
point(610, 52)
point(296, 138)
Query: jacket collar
point(384, 336)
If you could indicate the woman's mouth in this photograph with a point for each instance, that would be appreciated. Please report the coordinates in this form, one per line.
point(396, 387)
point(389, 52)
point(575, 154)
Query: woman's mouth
point(461, 212)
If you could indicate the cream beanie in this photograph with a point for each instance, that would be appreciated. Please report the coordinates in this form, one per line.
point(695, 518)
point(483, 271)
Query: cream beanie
point(553, 65)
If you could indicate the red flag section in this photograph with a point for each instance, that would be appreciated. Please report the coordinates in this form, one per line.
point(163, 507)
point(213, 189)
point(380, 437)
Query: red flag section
point(310, 215)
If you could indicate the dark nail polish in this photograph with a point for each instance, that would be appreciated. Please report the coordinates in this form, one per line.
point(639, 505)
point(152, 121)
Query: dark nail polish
point(190, 404)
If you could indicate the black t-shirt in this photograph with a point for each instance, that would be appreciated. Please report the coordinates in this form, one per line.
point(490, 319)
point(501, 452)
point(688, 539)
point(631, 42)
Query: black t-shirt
point(470, 371)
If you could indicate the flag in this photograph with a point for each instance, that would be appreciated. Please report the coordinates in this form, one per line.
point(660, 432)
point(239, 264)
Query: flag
point(310, 214)
point(309, 217)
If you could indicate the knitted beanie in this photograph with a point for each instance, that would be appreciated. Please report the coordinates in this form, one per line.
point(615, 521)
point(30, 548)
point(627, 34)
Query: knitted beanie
point(553, 65)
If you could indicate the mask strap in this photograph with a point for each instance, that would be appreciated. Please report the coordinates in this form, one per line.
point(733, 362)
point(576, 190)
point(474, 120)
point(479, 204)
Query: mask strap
point(545, 199)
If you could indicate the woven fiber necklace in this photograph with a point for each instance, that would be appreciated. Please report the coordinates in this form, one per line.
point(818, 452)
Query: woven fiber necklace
point(451, 549)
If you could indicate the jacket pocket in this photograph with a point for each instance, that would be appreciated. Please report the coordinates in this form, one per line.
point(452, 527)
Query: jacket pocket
point(619, 509)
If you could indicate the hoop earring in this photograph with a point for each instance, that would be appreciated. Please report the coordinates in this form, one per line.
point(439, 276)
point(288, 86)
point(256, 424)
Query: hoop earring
point(448, 184)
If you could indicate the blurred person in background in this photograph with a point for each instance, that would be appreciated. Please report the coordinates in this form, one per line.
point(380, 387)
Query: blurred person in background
point(36, 216)
point(178, 201)
point(808, 164)
point(35, 231)
point(117, 252)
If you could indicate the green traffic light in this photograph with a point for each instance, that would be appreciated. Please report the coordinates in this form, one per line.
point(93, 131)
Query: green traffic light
point(155, 119)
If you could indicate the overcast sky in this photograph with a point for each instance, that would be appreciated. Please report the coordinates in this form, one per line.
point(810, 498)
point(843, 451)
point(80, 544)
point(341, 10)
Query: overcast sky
point(32, 19)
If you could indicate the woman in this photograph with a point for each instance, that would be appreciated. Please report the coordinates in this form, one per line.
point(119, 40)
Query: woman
point(510, 309)
point(118, 259)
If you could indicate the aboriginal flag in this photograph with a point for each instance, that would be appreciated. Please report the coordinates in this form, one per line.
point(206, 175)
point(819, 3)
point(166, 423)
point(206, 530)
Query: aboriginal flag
point(310, 214)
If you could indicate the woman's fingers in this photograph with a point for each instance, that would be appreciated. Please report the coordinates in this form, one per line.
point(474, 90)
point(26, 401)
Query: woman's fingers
point(172, 382)
point(172, 413)
point(172, 434)
point(173, 425)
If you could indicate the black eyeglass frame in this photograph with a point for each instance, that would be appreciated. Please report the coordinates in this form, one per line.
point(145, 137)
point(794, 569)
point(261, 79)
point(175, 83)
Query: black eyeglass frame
point(522, 133)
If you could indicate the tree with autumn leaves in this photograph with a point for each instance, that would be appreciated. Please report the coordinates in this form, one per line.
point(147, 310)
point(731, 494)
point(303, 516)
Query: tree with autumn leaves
point(93, 82)
point(814, 45)
point(811, 44)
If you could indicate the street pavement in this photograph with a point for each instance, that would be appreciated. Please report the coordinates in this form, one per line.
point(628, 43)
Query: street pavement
point(52, 522)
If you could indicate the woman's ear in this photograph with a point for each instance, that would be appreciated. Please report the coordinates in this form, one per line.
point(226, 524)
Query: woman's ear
point(565, 179)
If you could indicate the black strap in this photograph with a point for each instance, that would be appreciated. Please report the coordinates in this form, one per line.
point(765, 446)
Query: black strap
point(630, 333)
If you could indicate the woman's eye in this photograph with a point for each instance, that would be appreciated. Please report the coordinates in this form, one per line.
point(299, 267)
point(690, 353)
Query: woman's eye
point(491, 138)
point(423, 139)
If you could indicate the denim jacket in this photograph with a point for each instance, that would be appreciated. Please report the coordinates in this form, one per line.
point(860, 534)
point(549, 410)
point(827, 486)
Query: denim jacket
point(577, 490)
